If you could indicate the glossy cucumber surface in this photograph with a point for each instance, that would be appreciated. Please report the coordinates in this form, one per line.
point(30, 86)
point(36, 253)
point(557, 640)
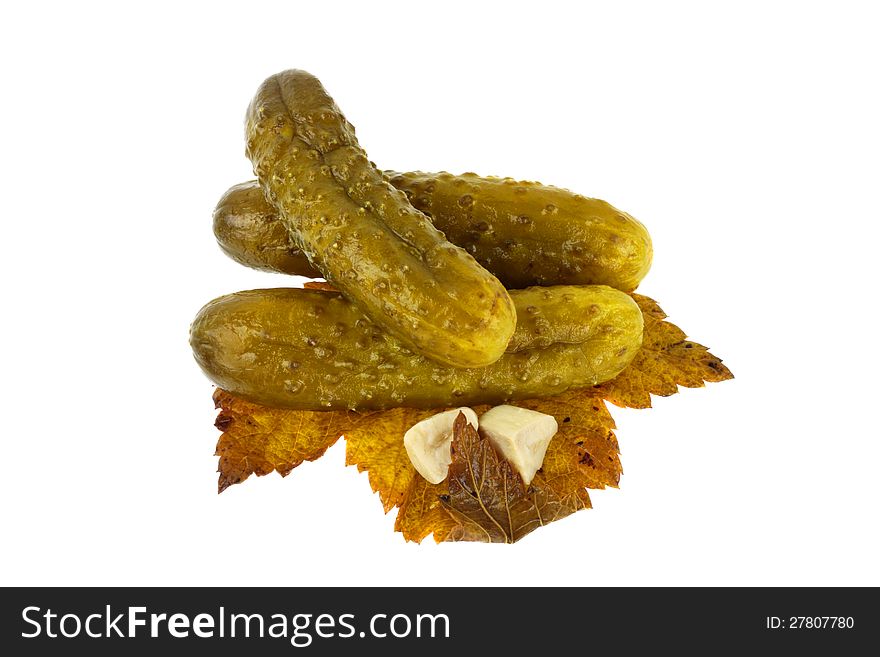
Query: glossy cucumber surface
point(364, 236)
point(249, 231)
point(314, 350)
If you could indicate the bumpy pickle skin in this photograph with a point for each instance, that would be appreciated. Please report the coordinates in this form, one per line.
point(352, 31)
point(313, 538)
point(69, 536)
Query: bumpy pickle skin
point(314, 350)
point(568, 314)
point(364, 235)
point(524, 233)
point(533, 234)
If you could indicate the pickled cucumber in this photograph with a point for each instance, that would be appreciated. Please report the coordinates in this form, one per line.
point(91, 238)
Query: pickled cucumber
point(248, 230)
point(364, 235)
point(522, 232)
point(314, 350)
point(534, 234)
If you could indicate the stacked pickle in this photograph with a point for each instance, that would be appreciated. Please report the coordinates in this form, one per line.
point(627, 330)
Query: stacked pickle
point(451, 290)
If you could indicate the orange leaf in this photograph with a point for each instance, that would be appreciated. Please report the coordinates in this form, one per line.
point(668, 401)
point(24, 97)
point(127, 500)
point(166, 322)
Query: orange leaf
point(585, 449)
point(422, 512)
point(258, 439)
point(375, 444)
point(666, 361)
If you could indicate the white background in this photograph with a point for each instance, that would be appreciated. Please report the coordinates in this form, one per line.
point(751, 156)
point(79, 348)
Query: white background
point(745, 138)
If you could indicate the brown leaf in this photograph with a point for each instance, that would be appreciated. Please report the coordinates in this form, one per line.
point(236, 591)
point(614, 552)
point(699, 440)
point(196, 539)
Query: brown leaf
point(374, 443)
point(666, 361)
point(258, 439)
point(488, 498)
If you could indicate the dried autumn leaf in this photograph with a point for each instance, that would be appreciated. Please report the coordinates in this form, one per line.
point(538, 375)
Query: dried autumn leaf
point(422, 512)
point(375, 444)
point(257, 439)
point(665, 361)
point(488, 498)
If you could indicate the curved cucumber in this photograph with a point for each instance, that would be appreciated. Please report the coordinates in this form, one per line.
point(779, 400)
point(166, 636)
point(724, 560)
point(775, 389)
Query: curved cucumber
point(364, 235)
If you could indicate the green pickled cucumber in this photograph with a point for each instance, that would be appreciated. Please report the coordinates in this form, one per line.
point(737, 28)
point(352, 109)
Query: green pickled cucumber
point(524, 233)
point(314, 350)
point(534, 234)
point(248, 230)
point(364, 235)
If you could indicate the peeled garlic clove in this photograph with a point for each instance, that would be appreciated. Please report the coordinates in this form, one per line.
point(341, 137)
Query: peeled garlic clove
point(520, 435)
point(428, 443)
